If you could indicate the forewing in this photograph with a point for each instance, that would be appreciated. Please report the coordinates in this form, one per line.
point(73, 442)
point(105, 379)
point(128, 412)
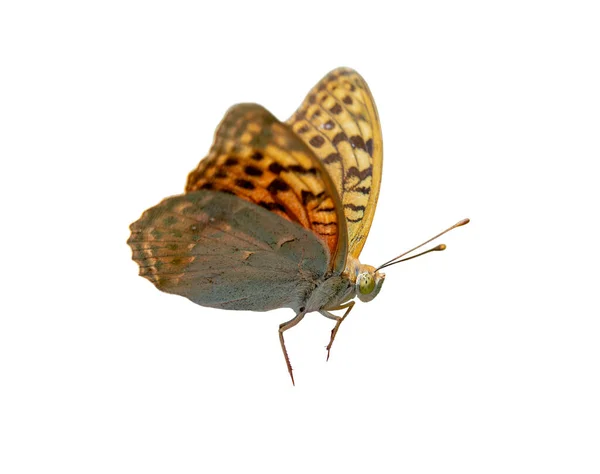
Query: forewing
point(260, 159)
point(338, 121)
point(224, 252)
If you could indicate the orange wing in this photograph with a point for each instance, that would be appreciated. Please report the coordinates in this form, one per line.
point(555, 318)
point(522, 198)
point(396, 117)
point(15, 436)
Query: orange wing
point(261, 160)
point(338, 121)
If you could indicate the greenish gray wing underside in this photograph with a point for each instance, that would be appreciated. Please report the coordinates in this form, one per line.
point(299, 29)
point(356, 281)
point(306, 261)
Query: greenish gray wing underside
point(224, 252)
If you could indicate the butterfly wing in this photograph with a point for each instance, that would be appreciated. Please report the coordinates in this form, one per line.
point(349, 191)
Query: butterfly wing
point(224, 252)
point(261, 160)
point(338, 121)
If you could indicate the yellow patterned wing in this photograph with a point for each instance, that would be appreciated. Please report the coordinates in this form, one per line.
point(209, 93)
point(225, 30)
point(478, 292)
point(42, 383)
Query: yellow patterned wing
point(338, 121)
point(260, 159)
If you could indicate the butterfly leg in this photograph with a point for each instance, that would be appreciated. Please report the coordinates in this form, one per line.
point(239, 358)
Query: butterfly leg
point(282, 328)
point(338, 319)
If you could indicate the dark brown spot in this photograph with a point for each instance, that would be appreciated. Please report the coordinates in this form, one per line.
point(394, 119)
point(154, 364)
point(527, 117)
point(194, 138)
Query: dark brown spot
point(347, 100)
point(301, 170)
point(220, 173)
point(317, 141)
point(276, 168)
point(354, 207)
point(244, 183)
point(312, 99)
point(357, 142)
point(307, 196)
point(257, 156)
point(336, 109)
point(253, 171)
point(321, 87)
point(316, 114)
point(362, 190)
point(332, 158)
point(272, 206)
point(206, 186)
point(231, 161)
point(300, 116)
point(354, 172)
point(303, 129)
point(340, 137)
point(369, 146)
point(277, 185)
point(328, 125)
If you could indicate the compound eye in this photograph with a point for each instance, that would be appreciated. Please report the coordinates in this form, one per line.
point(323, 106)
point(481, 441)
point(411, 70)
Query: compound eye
point(366, 283)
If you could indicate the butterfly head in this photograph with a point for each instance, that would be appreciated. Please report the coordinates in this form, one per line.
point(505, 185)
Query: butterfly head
point(368, 283)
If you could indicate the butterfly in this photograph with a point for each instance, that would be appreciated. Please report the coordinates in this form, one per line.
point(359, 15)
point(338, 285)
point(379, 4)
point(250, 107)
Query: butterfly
point(278, 212)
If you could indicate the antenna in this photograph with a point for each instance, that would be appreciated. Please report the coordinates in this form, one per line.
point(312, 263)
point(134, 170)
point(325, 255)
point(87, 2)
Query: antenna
point(440, 247)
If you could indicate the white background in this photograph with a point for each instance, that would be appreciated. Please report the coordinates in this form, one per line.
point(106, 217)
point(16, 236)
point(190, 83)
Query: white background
point(481, 359)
